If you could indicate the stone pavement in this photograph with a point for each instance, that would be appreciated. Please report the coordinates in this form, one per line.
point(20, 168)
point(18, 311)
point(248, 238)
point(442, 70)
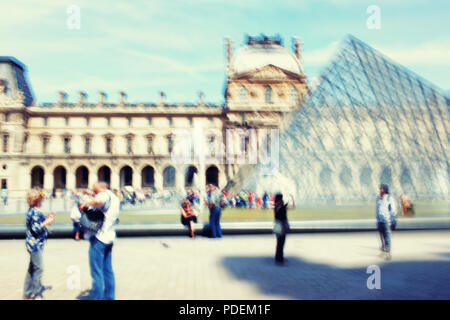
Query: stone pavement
point(320, 266)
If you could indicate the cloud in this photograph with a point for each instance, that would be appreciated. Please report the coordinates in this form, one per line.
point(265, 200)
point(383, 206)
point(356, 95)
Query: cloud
point(320, 56)
point(431, 53)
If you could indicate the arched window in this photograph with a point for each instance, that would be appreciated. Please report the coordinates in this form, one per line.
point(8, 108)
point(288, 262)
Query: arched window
point(169, 177)
point(268, 94)
point(104, 174)
point(126, 176)
point(243, 94)
point(82, 177)
point(148, 177)
point(37, 177)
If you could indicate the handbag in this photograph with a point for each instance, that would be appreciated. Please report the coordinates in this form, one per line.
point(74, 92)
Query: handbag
point(278, 227)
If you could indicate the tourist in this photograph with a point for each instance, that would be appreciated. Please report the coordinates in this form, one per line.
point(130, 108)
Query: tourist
point(281, 227)
point(407, 206)
point(385, 213)
point(188, 217)
point(214, 204)
point(36, 235)
point(265, 200)
point(5, 196)
point(101, 243)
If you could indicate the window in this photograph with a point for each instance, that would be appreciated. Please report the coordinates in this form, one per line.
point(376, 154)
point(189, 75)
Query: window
point(108, 121)
point(243, 118)
point(108, 143)
point(294, 95)
point(211, 121)
point(88, 120)
point(149, 121)
point(150, 145)
point(87, 145)
point(67, 120)
point(268, 94)
point(5, 142)
point(129, 145)
point(170, 121)
point(6, 117)
point(66, 145)
point(45, 140)
point(243, 95)
point(170, 144)
point(190, 121)
point(45, 121)
point(129, 121)
point(4, 184)
point(212, 145)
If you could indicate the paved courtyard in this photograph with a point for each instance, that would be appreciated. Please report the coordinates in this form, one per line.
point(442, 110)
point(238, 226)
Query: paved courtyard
point(320, 266)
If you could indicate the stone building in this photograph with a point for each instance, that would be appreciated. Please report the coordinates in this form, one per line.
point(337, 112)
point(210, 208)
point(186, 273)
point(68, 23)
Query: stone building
point(70, 146)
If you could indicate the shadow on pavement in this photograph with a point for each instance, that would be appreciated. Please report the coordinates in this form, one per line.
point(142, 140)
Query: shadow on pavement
point(301, 279)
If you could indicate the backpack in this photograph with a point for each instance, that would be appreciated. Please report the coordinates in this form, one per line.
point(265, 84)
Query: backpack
point(92, 218)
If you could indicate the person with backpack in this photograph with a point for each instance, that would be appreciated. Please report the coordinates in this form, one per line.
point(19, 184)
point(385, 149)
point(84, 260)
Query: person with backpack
point(101, 240)
point(386, 213)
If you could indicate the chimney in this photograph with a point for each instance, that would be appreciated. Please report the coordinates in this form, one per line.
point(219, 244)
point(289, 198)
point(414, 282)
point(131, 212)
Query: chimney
point(83, 96)
point(297, 46)
point(228, 44)
point(123, 97)
point(62, 97)
point(200, 96)
point(162, 96)
point(102, 97)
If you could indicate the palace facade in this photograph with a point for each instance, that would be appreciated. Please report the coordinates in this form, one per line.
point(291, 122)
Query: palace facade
point(67, 146)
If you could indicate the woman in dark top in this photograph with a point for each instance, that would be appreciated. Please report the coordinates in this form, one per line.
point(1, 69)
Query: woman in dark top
point(281, 226)
point(188, 217)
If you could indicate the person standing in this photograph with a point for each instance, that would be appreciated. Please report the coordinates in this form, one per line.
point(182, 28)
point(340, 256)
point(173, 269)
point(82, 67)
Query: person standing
point(101, 244)
point(36, 236)
point(386, 212)
point(281, 227)
point(214, 197)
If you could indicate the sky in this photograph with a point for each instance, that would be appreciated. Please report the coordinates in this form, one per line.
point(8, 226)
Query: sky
point(144, 47)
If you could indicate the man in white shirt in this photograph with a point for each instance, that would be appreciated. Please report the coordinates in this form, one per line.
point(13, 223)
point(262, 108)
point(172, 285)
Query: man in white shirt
point(103, 284)
point(386, 212)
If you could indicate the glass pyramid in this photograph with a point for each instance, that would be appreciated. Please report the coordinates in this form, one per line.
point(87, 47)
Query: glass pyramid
point(367, 121)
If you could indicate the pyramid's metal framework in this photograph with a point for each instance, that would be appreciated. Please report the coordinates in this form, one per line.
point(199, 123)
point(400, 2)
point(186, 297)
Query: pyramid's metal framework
point(368, 121)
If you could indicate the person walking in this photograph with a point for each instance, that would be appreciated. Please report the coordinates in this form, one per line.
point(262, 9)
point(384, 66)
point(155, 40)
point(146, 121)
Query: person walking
point(214, 198)
point(36, 236)
point(386, 212)
point(281, 227)
point(101, 243)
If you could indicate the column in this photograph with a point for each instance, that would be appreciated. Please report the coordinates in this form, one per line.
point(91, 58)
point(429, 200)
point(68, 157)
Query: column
point(179, 178)
point(115, 179)
point(158, 179)
point(93, 178)
point(48, 180)
point(71, 180)
point(137, 179)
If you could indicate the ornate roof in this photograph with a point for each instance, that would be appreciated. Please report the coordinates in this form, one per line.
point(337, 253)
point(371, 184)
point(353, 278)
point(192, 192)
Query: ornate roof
point(263, 52)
